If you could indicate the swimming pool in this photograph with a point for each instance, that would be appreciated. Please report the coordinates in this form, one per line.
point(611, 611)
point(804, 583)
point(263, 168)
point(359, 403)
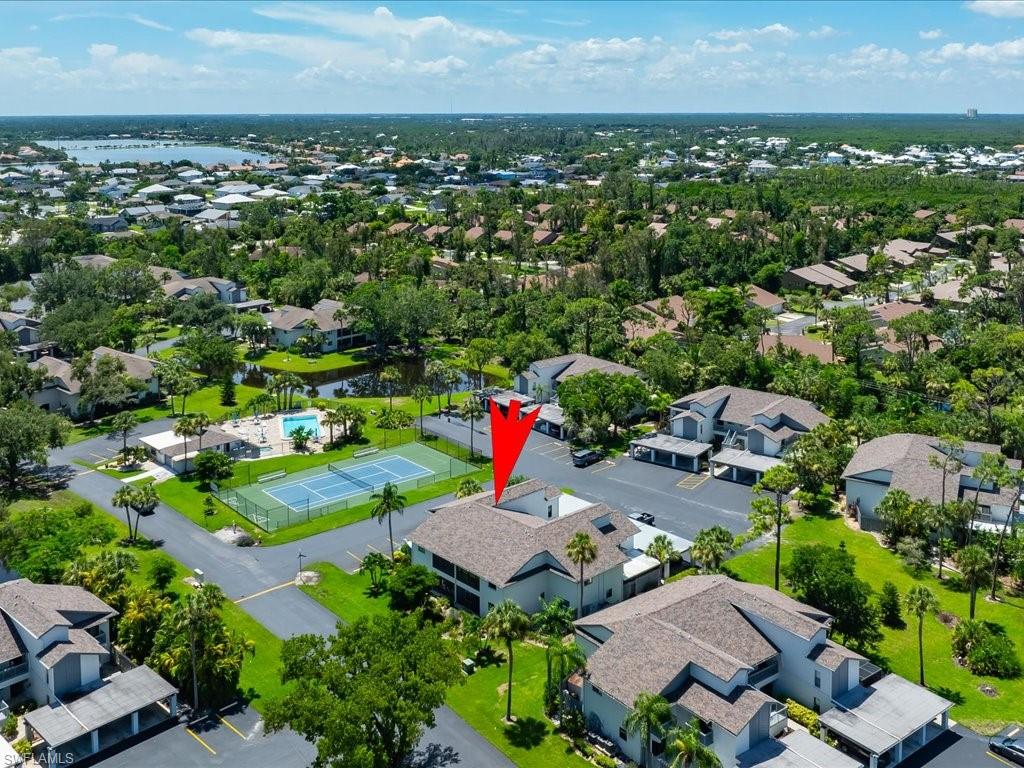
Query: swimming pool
point(308, 420)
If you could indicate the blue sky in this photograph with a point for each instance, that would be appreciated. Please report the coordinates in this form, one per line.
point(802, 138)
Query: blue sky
point(483, 56)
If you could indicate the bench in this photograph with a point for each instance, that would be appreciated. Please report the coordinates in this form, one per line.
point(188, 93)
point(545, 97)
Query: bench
point(365, 452)
point(271, 476)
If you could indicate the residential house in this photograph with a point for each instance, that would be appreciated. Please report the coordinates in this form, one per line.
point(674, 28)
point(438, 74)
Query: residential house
point(905, 461)
point(113, 222)
point(820, 276)
point(669, 315)
point(804, 345)
point(289, 324)
point(485, 552)
point(24, 331)
point(724, 654)
point(759, 297)
point(226, 291)
point(54, 641)
point(62, 392)
point(750, 429)
point(540, 381)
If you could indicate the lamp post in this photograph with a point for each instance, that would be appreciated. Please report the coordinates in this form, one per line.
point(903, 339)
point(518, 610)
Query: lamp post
point(301, 556)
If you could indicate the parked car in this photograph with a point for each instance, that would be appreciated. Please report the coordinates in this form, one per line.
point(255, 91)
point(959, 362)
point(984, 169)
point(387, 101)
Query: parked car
point(1009, 743)
point(642, 517)
point(586, 457)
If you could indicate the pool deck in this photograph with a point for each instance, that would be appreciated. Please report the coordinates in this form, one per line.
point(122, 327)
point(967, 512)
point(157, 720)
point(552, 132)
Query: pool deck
point(266, 432)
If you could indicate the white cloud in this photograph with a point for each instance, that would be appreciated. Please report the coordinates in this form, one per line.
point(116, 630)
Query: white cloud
point(703, 46)
point(102, 50)
point(931, 34)
point(771, 31)
point(446, 66)
point(977, 53)
point(383, 24)
point(823, 32)
point(596, 49)
point(303, 48)
point(142, 21)
point(870, 57)
point(1001, 9)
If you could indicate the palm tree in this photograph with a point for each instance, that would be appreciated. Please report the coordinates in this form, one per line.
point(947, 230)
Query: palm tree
point(387, 501)
point(663, 550)
point(389, 377)
point(288, 384)
point(185, 428)
point(769, 513)
point(711, 547)
point(684, 747)
point(508, 622)
point(421, 394)
point(261, 403)
point(123, 498)
point(563, 657)
point(582, 550)
point(374, 564)
point(333, 418)
point(123, 423)
point(471, 411)
point(647, 718)
point(201, 422)
point(973, 563)
point(144, 502)
point(920, 600)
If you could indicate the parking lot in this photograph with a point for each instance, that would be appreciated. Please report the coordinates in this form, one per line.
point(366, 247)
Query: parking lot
point(681, 502)
point(234, 736)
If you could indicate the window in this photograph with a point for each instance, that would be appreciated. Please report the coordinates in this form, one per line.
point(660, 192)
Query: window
point(817, 679)
point(622, 734)
point(608, 594)
point(542, 595)
point(549, 510)
point(471, 580)
point(489, 584)
point(597, 690)
point(817, 706)
point(442, 565)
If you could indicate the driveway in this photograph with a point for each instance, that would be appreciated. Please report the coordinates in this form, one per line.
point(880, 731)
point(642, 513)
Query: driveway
point(959, 747)
point(681, 502)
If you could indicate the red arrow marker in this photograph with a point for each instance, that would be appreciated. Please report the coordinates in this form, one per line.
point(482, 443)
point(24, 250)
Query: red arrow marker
point(508, 436)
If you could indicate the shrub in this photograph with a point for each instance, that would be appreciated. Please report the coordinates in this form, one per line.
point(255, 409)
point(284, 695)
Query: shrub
point(914, 553)
point(22, 747)
point(889, 606)
point(408, 587)
point(9, 729)
point(994, 656)
point(603, 761)
point(985, 649)
point(806, 717)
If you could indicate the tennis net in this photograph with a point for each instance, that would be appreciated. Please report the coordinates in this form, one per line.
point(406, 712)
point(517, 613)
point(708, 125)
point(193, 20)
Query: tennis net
point(336, 469)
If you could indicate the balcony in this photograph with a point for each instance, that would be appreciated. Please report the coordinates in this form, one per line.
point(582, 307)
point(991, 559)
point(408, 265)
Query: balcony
point(764, 671)
point(13, 671)
point(778, 720)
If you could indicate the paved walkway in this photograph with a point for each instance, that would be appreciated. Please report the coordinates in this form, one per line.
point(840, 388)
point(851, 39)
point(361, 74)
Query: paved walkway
point(244, 572)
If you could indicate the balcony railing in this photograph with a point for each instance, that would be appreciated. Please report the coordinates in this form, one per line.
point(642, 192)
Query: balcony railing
point(777, 720)
point(9, 673)
point(763, 672)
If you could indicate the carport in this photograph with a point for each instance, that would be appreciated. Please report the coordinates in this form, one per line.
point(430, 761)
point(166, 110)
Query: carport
point(887, 721)
point(743, 466)
point(550, 420)
point(125, 705)
point(669, 451)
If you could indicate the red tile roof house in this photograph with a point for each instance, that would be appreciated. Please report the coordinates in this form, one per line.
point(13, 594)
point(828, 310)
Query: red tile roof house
point(724, 654)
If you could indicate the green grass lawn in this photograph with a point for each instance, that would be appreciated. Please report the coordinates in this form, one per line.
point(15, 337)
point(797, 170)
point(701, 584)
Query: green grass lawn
point(347, 596)
point(204, 400)
point(282, 360)
point(260, 679)
point(531, 742)
point(898, 649)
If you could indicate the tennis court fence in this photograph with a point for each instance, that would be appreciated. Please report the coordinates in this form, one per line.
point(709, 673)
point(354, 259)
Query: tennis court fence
point(274, 517)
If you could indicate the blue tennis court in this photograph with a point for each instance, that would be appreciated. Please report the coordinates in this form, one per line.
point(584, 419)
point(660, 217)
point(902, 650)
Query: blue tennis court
point(331, 486)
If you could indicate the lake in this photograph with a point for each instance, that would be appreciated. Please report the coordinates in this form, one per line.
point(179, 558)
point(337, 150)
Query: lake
point(355, 380)
point(92, 152)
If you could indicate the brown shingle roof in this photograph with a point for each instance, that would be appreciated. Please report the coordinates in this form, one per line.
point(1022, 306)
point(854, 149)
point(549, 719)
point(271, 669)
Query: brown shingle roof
point(40, 607)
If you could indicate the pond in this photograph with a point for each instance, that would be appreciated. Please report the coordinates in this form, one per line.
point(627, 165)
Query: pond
point(361, 380)
point(91, 152)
